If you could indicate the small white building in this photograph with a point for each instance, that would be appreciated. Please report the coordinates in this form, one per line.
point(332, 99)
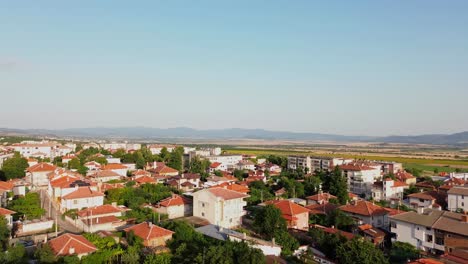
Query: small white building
point(388, 189)
point(458, 198)
point(82, 197)
point(175, 206)
point(220, 206)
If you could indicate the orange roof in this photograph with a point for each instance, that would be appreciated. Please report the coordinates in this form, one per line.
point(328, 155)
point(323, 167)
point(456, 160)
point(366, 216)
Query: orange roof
point(175, 200)
point(399, 184)
point(166, 170)
point(100, 210)
point(41, 167)
point(394, 211)
point(4, 211)
point(321, 196)
point(355, 167)
point(364, 227)
point(215, 165)
point(430, 195)
point(6, 185)
point(227, 194)
point(403, 175)
point(63, 182)
point(114, 166)
point(238, 188)
point(101, 220)
point(82, 192)
point(70, 244)
point(148, 231)
point(322, 209)
point(140, 172)
point(364, 208)
point(334, 231)
point(425, 261)
point(145, 179)
point(288, 208)
point(105, 173)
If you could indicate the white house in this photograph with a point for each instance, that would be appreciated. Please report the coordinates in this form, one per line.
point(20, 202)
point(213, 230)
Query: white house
point(117, 168)
point(220, 206)
point(388, 189)
point(229, 161)
point(424, 199)
point(37, 174)
point(82, 197)
point(458, 198)
point(156, 149)
point(361, 177)
point(105, 176)
point(246, 165)
point(8, 214)
point(175, 206)
point(101, 218)
point(367, 213)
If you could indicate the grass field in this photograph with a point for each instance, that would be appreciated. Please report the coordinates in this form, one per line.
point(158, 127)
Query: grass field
point(420, 163)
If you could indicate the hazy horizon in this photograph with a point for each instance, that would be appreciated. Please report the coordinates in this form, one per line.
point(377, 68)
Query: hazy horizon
point(350, 68)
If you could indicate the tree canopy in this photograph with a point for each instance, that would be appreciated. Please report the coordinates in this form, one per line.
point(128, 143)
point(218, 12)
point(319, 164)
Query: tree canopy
point(14, 167)
point(359, 250)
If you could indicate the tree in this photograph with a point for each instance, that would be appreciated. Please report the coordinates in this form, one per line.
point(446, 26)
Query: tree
point(312, 185)
point(403, 252)
point(176, 159)
point(358, 250)
point(74, 164)
point(44, 254)
point(198, 165)
point(163, 258)
point(259, 192)
point(14, 255)
point(164, 154)
point(4, 233)
point(268, 220)
point(28, 206)
point(14, 167)
point(338, 185)
point(340, 220)
point(70, 260)
point(327, 243)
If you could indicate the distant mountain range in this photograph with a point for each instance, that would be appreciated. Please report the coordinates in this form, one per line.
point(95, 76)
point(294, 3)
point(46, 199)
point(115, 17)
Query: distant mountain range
point(232, 133)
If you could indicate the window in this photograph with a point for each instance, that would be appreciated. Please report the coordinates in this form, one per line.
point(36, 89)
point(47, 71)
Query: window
point(202, 214)
point(439, 241)
point(203, 204)
point(463, 204)
point(75, 201)
point(428, 228)
point(421, 200)
point(429, 238)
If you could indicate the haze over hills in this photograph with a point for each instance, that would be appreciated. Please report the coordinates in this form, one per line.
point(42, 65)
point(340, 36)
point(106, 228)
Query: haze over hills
point(233, 133)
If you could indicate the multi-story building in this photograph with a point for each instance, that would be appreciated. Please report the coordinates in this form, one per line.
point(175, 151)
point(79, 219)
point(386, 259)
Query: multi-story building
point(458, 198)
point(315, 163)
point(360, 178)
point(367, 213)
point(42, 149)
point(219, 206)
point(388, 189)
point(4, 155)
point(432, 230)
point(228, 161)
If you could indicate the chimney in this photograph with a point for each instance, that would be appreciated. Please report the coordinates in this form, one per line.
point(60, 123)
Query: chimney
point(244, 235)
point(464, 218)
point(71, 251)
point(150, 224)
point(420, 210)
point(273, 241)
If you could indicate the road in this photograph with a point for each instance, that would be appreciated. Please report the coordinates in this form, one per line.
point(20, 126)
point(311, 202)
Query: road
point(53, 211)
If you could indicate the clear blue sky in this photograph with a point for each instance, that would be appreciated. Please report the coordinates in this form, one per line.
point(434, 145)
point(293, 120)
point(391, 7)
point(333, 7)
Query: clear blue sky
point(346, 67)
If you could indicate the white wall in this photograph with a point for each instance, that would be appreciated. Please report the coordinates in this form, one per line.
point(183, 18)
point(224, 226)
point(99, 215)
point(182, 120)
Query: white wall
point(69, 204)
point(456, 201)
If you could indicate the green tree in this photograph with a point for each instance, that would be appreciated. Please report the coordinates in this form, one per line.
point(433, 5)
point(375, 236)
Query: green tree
point(163, 258)
point(287, 242)
point(198, 165)
point(176, 159)
point(4, 233)
point(340, 220)
point(70, 260)
point(259, 192)
point(14, 255)
point(74, 164)
point(358, 250)
point(268, 220)
point(312, 185)
point(403, 252)
point(28, 206)
point(44, 254)
point(14, 167)
point(164, 154)
point(338, 185)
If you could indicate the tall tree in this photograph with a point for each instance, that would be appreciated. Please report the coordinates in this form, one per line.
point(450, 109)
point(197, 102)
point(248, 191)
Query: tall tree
point(4, 233)
point(176, 159)
point(14, 167)
point(403, 252)
point(338, 185)
point(358, 250)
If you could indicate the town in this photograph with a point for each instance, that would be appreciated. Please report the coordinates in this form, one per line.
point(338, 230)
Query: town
point(122, 202)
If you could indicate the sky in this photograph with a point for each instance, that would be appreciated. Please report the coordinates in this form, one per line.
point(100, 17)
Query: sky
point(343, 67)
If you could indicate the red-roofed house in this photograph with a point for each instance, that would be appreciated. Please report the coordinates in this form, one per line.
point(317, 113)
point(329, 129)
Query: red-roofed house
point(37, 174)
point(296, 216)
point(117, 168)
point(98, 218)
point(367, 213)
point(152, 235)
point(105, 176)
point(217, 166)
point(427, 199)
point(361, 177)
point(175, 206)
point(8, 214)
point(319, 198)
point(388, 189)
point(406, 177)
point(220, 206)
point(82, 197)
point(70, 244)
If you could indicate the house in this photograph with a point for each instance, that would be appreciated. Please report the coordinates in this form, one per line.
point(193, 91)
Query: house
point(92, 166)
point(227, 161)
point(217, 166)
point(321, 209)
point(105, 176)
point(8, 214)
point(175, 206)
point(333, 230)
point(245, 165)
point(152, 235)
point(220, 206)
point(311, 164)
point(70, 244)
point(451, 182)
point(117, 168)
point(428, 199)
point(216, 180)
point(37, 174)
point(280, 192)
point(296, 216)
point(458, 198)
point(156, 149)
point(374, 235)
point(185, 182)
point(367, 213)
point(6, 189)
point(361, 177)
point(101, 218)
point(64, 185)
point(144, 180)
point(269, 248)
point(388, 189)
point(432, 230)
point(80, 198)
point(160, 168)
point(319, 198)
point(67, 158)
point(405, 177)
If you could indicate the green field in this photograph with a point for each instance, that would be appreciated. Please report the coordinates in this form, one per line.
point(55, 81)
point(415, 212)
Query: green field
point(420, 163)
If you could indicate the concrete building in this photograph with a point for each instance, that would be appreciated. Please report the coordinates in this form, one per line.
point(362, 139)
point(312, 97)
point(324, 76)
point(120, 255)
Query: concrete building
point(219, 206)
point(388, 189)
point(37, 174)
point(228, 161)
point(361, 178)
point(367, 213)
point(458, 198)
point(70, 244)
point(175, 206)
point(82, 197)
point(152, 235)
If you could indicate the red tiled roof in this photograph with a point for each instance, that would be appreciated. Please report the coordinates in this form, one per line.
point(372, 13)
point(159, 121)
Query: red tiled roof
point(215, 165)
point(145, 179)
point(4, 211)
point(165, 170)
point(324, 208)
point(63, 182)
point(430, 195)
point(364, 208)
point(105, 173)
point(403, 175)
point(226, 194)
point(99, 210)
point(330, 230)
point(6, 185)
point(288, 208)
point(355, 167)
point(392, 211)
point(82, 192)
point(399, 184)
point(321, 196)
point(175, 200)
point(70, 244)
point(148, 231)
point(114, 166)
point(140, 172)
point(41, 167)
point(425, 261)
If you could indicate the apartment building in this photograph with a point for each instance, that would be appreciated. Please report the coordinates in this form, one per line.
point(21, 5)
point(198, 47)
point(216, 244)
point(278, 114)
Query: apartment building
point(458, 198)
point(360, 177)
point(315, 163)
point(228, 161)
